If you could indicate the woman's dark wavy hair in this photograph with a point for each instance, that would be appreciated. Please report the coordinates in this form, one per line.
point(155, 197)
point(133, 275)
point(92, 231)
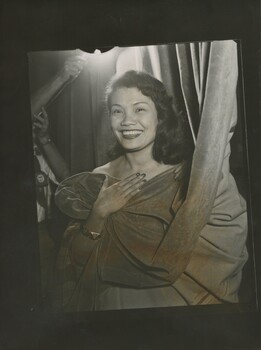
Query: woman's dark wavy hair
point(173, 142)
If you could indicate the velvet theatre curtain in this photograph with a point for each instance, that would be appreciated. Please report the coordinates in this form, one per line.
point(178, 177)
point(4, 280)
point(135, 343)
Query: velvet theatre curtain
point(210, 227)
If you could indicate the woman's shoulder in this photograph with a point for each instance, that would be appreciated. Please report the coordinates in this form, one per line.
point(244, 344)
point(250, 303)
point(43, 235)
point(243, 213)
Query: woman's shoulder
point(103, 169)
point(108, 168)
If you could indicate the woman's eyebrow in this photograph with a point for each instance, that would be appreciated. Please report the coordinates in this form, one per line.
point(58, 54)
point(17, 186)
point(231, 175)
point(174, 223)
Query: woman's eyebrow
point(136, 103)
point(116, 104)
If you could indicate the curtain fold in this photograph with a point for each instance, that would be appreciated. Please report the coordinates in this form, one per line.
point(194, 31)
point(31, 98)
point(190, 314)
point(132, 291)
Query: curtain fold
point(215, 91)
point(155, 61)
point(188, 86)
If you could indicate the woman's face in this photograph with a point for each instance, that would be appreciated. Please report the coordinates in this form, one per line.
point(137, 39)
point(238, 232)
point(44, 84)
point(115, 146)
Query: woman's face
point(133, 119)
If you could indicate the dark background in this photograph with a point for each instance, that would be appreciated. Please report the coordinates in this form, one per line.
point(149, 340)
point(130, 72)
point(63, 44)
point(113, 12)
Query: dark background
point(65, 25)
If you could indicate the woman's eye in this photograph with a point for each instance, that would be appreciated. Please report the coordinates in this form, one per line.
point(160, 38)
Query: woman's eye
point(116, 111)
point(140, 109)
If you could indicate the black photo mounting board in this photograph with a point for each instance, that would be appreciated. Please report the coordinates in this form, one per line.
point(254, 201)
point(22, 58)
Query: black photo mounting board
point(64, 25)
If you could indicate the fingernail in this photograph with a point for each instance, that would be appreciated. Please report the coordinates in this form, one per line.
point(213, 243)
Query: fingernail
point(138, 174)
point(143, 175)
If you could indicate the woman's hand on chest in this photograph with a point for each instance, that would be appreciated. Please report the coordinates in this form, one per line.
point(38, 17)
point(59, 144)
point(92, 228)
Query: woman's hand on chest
point(114, 197)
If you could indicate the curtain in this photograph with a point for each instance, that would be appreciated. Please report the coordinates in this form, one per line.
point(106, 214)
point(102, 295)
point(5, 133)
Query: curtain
point(81, 127)
point(79, 121)
point(207, 73)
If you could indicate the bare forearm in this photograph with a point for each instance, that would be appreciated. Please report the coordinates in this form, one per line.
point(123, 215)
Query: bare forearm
point(84, 242)
point(70, 71)
point(95, 222)
point(42, 96)
point(55, 160)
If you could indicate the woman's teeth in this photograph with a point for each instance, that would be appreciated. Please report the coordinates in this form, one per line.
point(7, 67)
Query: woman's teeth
point(131, 132)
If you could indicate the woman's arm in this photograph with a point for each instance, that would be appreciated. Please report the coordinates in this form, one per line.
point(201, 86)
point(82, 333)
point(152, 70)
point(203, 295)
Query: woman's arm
point(70, 198)
point(111, 199)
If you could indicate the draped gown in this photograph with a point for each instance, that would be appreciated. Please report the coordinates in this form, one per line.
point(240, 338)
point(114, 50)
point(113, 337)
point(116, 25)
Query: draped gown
point(119, 271)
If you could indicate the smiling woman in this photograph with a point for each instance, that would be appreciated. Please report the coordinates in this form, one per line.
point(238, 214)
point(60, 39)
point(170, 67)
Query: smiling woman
point(133, 118)
point(138, 100)
point(156, 218)
point(123, 249)
point(140, 111)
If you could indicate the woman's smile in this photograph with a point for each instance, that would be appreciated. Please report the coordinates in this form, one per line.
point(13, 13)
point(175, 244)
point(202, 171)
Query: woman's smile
point(131, 134)
point(134, 118)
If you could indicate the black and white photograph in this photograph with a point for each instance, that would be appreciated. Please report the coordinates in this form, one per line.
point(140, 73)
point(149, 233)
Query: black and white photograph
point(141, 183)
point(130, 175)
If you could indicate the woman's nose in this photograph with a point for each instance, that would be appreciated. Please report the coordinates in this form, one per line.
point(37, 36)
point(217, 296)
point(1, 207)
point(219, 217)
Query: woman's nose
point(128, 118)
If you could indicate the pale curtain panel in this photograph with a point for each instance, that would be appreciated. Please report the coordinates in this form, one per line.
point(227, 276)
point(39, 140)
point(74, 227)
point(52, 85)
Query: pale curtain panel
point(155, 61)
point(130, 58)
